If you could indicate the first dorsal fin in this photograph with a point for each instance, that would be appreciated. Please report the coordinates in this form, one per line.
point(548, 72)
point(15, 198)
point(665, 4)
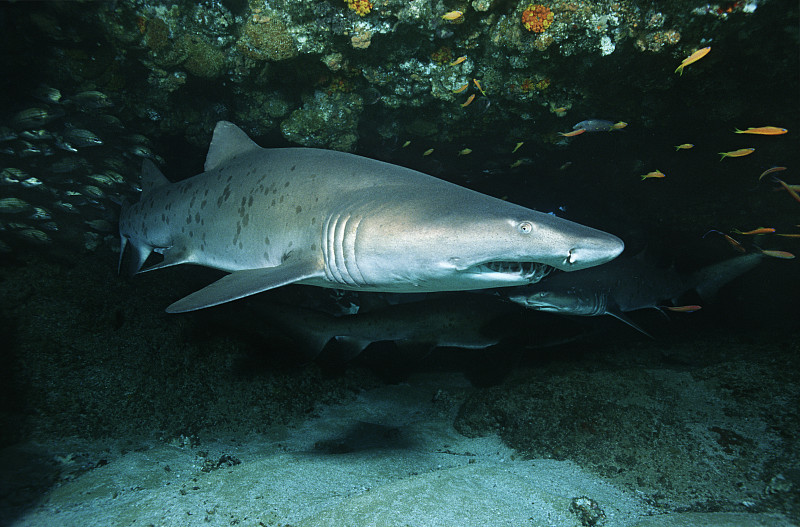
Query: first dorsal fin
point(229, 141)
point(152, 178)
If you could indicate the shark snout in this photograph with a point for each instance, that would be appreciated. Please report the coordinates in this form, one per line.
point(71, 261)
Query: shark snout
point(591, 251)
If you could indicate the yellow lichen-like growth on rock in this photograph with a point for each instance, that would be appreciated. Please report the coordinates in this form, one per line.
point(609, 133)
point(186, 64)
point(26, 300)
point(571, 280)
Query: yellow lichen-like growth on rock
point(537, 18)
point(361, 7)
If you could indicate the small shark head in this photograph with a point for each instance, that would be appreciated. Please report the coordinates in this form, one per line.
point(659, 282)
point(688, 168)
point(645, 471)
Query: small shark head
point(568, 301)
point(472, 242)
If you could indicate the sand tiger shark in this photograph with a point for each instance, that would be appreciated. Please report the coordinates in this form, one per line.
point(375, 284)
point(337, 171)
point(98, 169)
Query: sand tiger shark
point(273, 217)
point(626, 285)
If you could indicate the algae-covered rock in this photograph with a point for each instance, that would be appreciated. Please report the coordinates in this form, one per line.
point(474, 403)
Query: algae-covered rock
point(326, 121)
point(203, 59)
point(265, 37)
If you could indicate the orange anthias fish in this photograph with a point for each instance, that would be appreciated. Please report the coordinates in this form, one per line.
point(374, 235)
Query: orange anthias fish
point(763, 130)
point(734, 243)
point(461, 88)
point(573, 133)
point(653, 174)
point(770, 171)
point(694, 57)
point(452, 15)
point(789, 189)
point(459, 60)
point(468, 101)
point(760, 230)
point(683, 309)
point(478, 85)
point(737, 153)
point(684, 146)
point(785, 255)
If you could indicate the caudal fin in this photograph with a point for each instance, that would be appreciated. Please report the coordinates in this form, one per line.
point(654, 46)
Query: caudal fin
point(711, 278)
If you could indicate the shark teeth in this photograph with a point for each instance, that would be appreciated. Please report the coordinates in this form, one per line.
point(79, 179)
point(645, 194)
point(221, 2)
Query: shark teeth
point(530, 271)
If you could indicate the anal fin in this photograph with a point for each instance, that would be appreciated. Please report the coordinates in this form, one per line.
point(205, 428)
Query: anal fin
point(240, 284)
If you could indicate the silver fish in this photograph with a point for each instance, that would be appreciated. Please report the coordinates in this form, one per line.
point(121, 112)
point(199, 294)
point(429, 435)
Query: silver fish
point(70, 164)
point(35, 117)
point(81, 137)
point(61, 143)
point(47, 94)
point(12, 176)
point(102, 180)
point(34, 235)
point(66, 207)
point(13, 205)
point(40, 214)
point(36, 135)
point(27, 149)
point(116, 177)
point(91, 191)
point(6, 134)
point(91, 100)
point(31, 182)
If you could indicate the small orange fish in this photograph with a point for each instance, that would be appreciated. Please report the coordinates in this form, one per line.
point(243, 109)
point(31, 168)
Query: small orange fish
point(760, 230)
point(560, 110)
point(465, 152)
point(427, 152)
point(468, 101)
point(788, 235)
point(619, 125)
point(734, 243)
point(784, 255)
point(683, 309)
point(459, 60)
point(654, 174)
point(453, 15)
point(573, 133)
point(478, 85)
point(684, 146)
point(789, 189)
point(462, 88)
point(737, 153)
point(770, 171)
point(694, 57)
point(516, 147)
point(517, 163)
point(763, 130)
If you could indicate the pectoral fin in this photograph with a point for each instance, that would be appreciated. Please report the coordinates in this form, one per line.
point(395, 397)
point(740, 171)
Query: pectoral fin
point(240, 284)
point(619, 316)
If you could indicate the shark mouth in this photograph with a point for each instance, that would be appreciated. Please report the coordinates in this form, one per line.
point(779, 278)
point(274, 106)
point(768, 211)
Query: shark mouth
point(531, 272)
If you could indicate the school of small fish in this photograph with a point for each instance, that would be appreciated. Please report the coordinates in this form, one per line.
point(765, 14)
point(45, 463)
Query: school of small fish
point(65, 161)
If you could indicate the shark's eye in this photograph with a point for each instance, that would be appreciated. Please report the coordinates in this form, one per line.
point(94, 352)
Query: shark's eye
point(525, 227)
